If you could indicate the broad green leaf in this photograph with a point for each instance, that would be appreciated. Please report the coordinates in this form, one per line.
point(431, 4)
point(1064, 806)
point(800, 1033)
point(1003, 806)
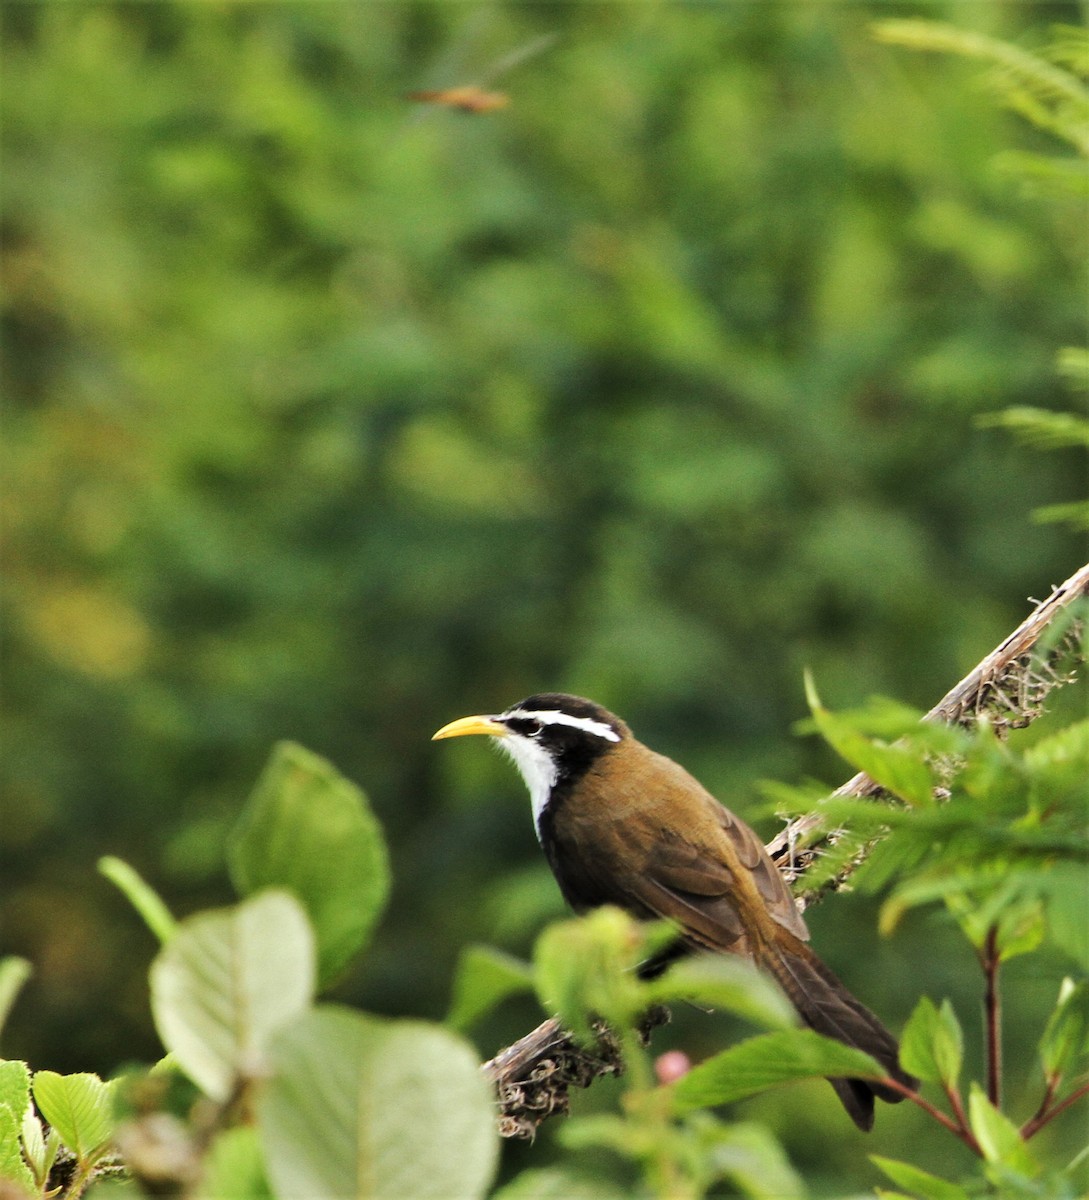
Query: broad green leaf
point(726, 983)
point(557, 1184)
point(587, 965)
point(749, 1155)
point(309, 830)
point(12, 1167)
point(147, 902)
point(1067, 893)
point(32, 1136)
point(745, 1153)
point(14, 972)
point(80, 1109)
point(234, 1167)
point(767, 1060)
point(921, 1183)
point(608, 1130)
point(375, 1110)
point(39, 1148)
point(226, 981)
point(932, 1044)
point(999, 1139)
point(948, 1044)
point(484, 978)
point(1066, 1038)
point(15, 1086)
point(901, 770)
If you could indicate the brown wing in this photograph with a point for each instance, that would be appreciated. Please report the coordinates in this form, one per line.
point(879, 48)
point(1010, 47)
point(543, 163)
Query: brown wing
point(665, 847)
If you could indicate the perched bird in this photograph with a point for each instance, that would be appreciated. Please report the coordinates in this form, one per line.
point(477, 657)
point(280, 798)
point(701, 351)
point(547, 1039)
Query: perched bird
point(620, 824)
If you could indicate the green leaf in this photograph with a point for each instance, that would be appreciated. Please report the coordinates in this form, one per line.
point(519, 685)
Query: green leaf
point(1067, 898)
point(80, 1109)
point(1021, 929)
point(484, 978)
point(12, 1167)
point(147, 902)
point(747, 1154)
point(899, 769)
point(309, 830)
point(226, 981)
point(999, 902)
point(587, 965)
point(932, 1044)
point(767, 1060)
point(911, 893)
point(378, 1110)
point(1039, 426)
point(608, 1130)
point(999, 1139)
point(556, 1184)
point(14, 972)
point(39, 1149)
point(726, 983)
point(15, 1087)
point(919, 1182)
point(234, 1167)
point(1066, 1037)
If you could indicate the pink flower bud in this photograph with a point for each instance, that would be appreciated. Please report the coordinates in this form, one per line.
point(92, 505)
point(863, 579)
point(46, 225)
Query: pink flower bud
point(671, 1066)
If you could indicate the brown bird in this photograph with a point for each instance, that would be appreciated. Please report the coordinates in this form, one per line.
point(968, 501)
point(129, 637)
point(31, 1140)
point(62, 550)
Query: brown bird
point(620, 824)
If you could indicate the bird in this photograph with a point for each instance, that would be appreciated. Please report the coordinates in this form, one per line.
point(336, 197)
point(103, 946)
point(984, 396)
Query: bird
point(621, 824)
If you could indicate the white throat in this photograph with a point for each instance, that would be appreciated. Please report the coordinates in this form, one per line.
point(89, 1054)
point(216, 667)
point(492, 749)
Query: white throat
point(536, 765)
point(536, 768)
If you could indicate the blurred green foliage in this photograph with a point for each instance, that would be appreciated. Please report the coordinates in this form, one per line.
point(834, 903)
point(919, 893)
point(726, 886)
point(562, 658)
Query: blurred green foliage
point(331, 416)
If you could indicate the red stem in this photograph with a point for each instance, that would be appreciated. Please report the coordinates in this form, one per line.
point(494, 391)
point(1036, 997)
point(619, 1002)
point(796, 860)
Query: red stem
point(958, 1127)
point(1036, 1123)
point(1050, 1088)
point(992, 1007)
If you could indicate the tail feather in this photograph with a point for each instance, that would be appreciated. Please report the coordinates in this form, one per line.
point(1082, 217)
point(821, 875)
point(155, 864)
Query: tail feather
point(828, 1008)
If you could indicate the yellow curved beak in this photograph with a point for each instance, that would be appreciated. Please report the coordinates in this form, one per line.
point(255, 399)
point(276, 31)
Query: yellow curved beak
point(466, 725)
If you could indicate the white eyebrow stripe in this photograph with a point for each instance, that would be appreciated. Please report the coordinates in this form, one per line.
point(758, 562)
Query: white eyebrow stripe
point(555, 717)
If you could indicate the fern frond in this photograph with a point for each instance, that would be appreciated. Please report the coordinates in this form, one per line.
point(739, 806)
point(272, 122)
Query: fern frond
point(1044, 92)
point(1073, 365)
point(1070, 48)
point(1041, 427)
point(1075, 513)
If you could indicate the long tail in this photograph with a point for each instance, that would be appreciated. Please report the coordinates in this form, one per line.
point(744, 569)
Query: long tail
point(827, 1007)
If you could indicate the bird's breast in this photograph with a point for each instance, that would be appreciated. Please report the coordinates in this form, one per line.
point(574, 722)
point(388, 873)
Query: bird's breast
point(602, 832)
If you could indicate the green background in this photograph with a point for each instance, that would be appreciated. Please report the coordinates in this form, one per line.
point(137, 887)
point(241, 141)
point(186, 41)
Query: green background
point(332, 416)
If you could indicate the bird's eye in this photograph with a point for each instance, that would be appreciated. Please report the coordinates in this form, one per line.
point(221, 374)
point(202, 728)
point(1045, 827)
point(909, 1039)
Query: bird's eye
point(533, 728)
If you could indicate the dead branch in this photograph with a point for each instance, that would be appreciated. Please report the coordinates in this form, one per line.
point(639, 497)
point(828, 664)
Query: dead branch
point(533, 1077)
point(1008, 687)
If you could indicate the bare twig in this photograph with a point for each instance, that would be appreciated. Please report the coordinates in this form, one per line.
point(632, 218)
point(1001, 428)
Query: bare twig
point(532, 1077)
